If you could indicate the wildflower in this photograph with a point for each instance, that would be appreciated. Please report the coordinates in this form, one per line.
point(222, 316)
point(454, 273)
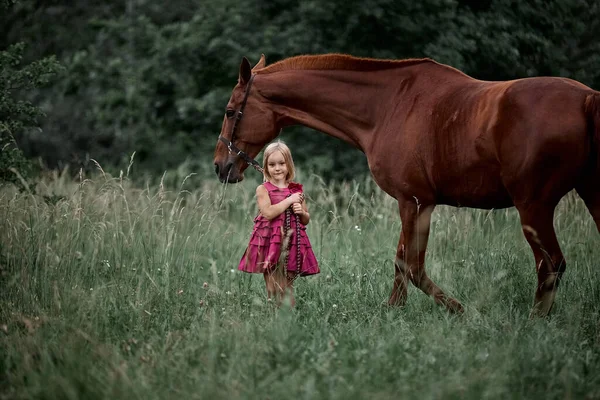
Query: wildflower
point(205, 285)
point(180, 291)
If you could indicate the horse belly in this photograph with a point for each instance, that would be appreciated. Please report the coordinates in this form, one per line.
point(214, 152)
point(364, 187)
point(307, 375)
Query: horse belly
point(475, 189)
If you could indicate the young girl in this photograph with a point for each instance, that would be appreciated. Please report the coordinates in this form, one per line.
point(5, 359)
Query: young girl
point(279, 247)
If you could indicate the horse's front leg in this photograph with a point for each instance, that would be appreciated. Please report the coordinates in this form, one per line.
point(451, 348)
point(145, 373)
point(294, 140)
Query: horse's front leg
point(399, 291)
point(410, 256)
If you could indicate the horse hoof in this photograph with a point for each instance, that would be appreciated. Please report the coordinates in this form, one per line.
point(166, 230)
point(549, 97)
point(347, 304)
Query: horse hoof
point(397, 301)
point(454, 306)
point(537, 312)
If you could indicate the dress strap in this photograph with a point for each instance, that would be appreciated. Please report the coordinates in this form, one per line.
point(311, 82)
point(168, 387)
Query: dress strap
point(269, 186)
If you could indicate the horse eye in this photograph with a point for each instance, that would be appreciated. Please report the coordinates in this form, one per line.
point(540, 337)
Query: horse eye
point(230, 113)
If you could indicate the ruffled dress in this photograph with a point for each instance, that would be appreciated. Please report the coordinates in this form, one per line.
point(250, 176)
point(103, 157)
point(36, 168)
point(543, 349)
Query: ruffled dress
point(265, 245)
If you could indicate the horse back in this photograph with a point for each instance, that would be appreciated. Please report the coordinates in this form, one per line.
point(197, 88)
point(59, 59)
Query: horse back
point(477, 140)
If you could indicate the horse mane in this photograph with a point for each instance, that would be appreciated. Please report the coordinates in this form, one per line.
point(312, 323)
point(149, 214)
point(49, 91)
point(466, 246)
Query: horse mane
point(340, 62)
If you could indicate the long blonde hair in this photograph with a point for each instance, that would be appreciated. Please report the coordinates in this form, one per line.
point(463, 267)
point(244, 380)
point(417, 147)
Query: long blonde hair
point(287, 156)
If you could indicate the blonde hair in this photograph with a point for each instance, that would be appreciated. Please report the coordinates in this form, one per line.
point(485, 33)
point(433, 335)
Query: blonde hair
point(287, 156)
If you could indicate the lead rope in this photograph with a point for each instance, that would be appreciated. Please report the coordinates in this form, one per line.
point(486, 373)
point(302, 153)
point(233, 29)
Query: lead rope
point(287, 227)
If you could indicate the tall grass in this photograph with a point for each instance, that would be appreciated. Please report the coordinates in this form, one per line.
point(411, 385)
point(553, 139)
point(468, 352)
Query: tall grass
point(115, 291)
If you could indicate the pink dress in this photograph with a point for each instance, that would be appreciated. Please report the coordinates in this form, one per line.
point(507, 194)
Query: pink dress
point(264, 248)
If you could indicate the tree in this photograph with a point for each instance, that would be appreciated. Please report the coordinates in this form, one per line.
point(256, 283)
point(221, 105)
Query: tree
point(153, 79)
point(507, 39)
point(16, 115)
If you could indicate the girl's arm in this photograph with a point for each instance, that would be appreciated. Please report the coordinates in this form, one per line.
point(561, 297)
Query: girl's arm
point(268, 210)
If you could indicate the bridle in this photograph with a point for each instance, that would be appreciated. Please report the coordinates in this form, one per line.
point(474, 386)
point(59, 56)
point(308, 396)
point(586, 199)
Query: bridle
point(233, 149)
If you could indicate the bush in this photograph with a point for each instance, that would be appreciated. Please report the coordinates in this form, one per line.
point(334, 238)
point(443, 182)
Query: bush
point(17, 115)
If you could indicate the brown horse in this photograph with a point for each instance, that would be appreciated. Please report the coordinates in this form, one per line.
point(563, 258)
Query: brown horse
point(433, 135)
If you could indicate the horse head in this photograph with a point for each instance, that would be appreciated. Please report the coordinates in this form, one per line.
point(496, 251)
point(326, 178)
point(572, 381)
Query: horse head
point(249, 124)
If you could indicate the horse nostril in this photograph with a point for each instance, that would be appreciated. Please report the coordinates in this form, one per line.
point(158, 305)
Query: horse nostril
point(228, 167)
point(216, 168)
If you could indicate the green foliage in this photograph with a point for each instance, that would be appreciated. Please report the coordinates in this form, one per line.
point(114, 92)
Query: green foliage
point(511, 39)
point(153, 79)
point(17, 115)
point(13, 164)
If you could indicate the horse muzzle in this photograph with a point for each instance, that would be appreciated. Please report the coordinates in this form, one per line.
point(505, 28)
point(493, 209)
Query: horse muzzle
point(227, 172)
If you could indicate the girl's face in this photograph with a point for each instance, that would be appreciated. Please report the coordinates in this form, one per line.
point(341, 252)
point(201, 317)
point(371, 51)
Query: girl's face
point(277, 167)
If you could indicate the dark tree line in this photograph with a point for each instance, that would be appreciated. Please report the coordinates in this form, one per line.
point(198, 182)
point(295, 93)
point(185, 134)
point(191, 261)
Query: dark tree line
point(153, 77)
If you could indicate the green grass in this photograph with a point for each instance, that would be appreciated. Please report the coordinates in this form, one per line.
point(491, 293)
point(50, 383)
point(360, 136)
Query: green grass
point(103, 297)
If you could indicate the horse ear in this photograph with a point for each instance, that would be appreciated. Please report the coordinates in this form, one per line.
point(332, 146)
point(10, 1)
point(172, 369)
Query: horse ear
point(261, 63)
point(245, 71)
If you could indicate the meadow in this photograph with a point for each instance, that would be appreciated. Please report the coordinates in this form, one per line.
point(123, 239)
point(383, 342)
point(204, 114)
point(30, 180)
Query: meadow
point(116, 290)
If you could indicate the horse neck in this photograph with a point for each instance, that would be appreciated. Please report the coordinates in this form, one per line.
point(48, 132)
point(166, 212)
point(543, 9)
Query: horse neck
point(349, 105)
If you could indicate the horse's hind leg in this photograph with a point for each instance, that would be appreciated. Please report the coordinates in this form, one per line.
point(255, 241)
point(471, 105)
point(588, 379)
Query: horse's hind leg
point(410, 257)
point(537, 222)
point(591, 196)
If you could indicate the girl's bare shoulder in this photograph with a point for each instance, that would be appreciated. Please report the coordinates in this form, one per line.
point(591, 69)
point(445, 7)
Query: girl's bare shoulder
point(261, 189)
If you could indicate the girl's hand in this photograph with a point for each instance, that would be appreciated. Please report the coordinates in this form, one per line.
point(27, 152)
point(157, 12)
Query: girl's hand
point(296, 198)
point(297, 208)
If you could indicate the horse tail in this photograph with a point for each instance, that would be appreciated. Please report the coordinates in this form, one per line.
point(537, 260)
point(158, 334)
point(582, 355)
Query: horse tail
point(592, 112)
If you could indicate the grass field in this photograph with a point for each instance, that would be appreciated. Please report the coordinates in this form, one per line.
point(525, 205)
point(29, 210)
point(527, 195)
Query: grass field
point(110, 291)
